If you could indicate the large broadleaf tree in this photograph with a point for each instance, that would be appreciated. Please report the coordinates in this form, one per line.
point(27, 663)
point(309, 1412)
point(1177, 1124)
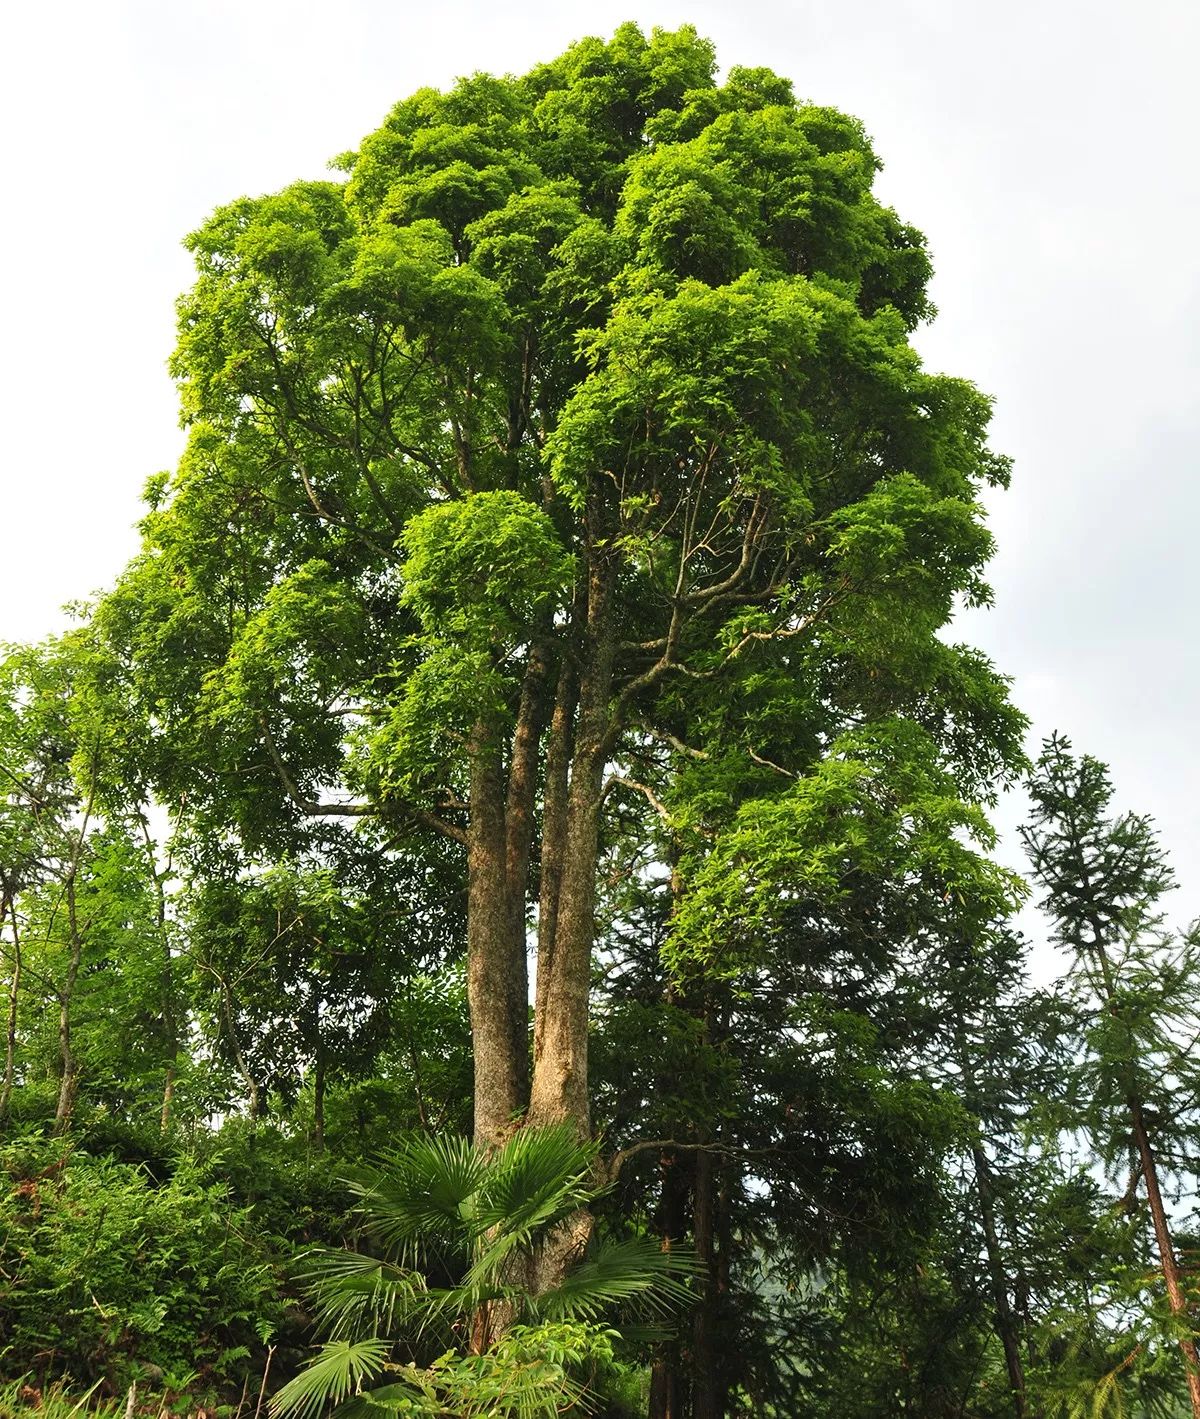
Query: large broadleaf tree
point(564, 470)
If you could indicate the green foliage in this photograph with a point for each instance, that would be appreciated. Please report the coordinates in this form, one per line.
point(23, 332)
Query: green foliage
point(532, 1372)
point(588, 389)
point(456, 1237)
point(310, 968)
point(610, 283)
point(287, 1191)
point(106, 1272)
point(479, 570)
point(877, 809)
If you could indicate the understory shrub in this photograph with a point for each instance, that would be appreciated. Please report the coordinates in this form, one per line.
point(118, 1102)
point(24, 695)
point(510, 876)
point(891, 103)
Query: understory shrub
point(108, 1276)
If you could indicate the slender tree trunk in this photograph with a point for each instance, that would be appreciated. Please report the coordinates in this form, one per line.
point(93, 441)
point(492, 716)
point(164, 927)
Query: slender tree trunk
point(559, 1093)
point(1166, 1252)
point(664, 1388)
point(560, 1070)
point(1006, 1324)
point(170, 1012)
point(168, 1097)
point(499, 848)
point(559, 745)
point(707, 1399)
point(710, 1202)
point(497, 973)
point(66, 1051)
point(560, 1067)
point(253, 1097)
point(520, 817)
point(9, 907)
point(666, 1381)
point(319, 1100)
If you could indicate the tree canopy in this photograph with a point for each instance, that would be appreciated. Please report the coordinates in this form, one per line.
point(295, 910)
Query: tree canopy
point(573, 445)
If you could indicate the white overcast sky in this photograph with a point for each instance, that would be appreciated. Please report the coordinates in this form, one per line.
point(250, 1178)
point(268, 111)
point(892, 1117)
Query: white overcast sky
point(1049, 151)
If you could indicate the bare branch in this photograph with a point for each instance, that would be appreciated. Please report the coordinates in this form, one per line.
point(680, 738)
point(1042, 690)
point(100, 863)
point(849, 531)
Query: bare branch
point(648, 793)
point(619, 1159)
point(767, 764)
point(666, 737)
point(313, 809)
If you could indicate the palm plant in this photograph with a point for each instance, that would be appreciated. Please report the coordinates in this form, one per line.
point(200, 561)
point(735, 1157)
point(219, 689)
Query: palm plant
point(454, 1237)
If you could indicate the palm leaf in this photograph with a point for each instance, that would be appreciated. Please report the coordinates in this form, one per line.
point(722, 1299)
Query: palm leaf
point(618, 1272)
point(483, 1216)
point(341, 1367)
point(421, 1197)
point(356, 1293)
point(411, 1396)
point(540, 1177)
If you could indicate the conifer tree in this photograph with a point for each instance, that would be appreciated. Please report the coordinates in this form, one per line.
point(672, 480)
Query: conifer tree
point(1103, 877)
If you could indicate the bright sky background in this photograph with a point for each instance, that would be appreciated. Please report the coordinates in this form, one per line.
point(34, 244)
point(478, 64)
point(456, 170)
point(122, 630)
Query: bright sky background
point(1048, 150)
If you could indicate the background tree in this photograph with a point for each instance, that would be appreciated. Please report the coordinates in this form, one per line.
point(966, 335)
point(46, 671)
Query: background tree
point(88, 941)
point(302, 968)
point(788, 972)
point(1103, 878)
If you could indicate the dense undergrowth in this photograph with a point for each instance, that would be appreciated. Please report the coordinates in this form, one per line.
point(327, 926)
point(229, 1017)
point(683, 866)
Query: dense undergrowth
point(165, 1267)
point(143, 1274)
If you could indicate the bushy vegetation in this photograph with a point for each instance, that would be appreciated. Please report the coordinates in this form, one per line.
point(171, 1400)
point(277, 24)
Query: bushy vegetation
point(110, 1276)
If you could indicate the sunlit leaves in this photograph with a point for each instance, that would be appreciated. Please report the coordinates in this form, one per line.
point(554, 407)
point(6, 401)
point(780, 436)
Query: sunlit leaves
point(876, 813)
point(479, 570)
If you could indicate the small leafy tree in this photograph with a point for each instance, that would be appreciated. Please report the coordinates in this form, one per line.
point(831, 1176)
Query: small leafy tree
point(302, 966)
point(86, 941)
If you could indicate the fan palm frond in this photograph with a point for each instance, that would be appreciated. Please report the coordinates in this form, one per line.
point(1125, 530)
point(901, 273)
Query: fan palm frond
point(619, 1272)
point(538, 1179)
point(341, 1367)
point(357, 1294)
point(483, 1218)
point(421, 1198)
